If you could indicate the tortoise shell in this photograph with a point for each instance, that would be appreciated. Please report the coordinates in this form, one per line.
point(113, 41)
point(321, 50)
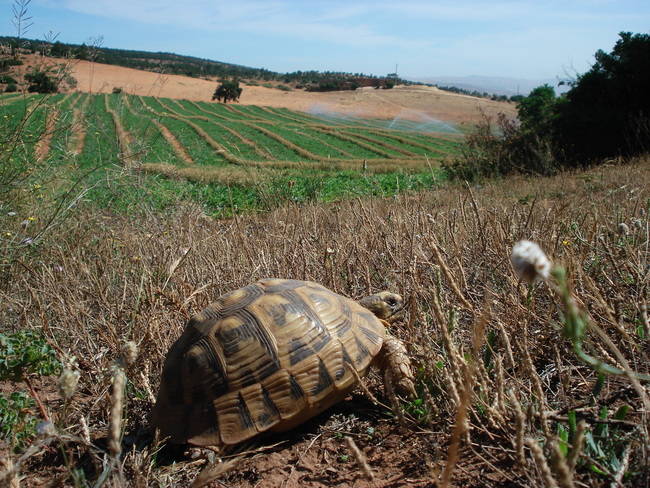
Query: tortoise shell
point(268, 356)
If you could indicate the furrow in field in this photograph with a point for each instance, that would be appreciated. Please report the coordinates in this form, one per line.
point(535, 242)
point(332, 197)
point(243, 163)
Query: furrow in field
point(261, 151)
point(43, 145)
point(298, 136)
point(369, 147)
point(175, 144)
point(124, 138)
point(206, 137)
point(403, 139)
point(79, 126)
point(283, 141)
point(380, 142)
point(201, 109)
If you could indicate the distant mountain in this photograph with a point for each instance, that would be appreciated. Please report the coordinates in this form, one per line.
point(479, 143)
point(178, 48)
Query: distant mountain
point(492, 84)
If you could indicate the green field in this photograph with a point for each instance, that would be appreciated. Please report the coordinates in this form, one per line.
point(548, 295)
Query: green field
point(226, 157)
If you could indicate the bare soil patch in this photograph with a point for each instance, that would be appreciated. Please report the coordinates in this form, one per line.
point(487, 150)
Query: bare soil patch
point(43, 145)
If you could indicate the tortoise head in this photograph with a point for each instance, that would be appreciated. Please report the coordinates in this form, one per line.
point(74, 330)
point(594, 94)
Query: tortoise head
point(383, 304)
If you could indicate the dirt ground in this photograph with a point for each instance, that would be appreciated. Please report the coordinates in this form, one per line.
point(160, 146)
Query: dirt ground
point(415, 103)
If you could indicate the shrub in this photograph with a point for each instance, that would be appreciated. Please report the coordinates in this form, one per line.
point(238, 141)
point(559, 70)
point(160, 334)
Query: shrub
point(117, 90)
point(7, 79)
point(41, 82)
point(11, 88)
point(507, 148)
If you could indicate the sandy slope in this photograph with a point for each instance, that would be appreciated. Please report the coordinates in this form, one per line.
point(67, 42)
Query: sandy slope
point(417, 103)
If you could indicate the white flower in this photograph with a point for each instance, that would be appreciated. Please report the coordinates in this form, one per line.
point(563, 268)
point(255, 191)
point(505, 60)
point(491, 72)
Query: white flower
point(529, 261)
point(68, 383)
point(623, 229)
point(46, 428)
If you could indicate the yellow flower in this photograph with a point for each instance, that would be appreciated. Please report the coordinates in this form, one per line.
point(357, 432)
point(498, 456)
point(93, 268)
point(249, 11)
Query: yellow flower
point(31, 219)
point(37, 186)
point(8, 234)
point(566, 242)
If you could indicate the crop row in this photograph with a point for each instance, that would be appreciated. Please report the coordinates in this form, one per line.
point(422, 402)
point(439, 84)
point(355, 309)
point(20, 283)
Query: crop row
point(214, 144)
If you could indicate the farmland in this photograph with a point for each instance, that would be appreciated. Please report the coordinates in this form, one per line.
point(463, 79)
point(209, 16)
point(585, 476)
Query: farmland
point(225, 157)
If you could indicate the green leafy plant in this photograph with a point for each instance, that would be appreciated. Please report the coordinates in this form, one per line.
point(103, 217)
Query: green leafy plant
point(24, 354)
point(17, 424)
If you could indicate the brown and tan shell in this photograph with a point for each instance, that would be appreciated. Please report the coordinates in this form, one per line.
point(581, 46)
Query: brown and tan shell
point(268, 356)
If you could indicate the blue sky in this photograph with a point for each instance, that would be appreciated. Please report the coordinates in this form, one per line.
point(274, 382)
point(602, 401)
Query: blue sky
point(523, 39)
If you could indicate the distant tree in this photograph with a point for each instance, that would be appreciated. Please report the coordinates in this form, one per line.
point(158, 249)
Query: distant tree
point(607, 111)
point(228, 90)
point(41, 82)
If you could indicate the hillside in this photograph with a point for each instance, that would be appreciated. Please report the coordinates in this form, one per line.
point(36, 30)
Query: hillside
point(427, 105)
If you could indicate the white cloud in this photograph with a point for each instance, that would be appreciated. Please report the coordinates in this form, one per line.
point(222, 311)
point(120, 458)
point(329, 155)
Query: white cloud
point(321, 21)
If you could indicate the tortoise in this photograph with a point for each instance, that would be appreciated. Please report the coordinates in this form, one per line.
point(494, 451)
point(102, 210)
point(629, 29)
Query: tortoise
point(270, 356)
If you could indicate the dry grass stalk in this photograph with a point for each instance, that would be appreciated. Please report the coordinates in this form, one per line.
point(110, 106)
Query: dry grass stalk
point(9, 475)
point(360, 457)
point(461, 427)
point(540, 461)
point(578, 443)
point(562, 472)
point(520, 429)
point(115, 417)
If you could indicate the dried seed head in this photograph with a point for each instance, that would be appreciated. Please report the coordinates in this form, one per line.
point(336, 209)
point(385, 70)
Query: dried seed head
point(529, 261)
point(46, 428)
point(129, 352)
point(115, 417)
point(68, 383)
point(623, 229)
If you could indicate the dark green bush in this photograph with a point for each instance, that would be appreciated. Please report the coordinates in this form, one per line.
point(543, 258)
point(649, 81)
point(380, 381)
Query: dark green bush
point(7, 79)
point(41, 82)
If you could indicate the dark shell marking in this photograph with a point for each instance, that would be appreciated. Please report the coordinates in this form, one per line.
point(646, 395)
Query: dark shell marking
point(269, 355)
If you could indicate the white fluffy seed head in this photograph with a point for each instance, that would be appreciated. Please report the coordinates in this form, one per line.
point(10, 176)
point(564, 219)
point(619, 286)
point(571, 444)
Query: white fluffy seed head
point(529, 261)
point(623, 229)
point(68, 383)
point(129, 352)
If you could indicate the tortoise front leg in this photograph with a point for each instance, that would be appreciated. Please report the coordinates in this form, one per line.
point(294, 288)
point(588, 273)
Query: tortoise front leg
point(394, 361)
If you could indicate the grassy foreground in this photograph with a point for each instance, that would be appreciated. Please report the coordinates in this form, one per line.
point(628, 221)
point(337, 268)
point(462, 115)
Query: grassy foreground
point(503, 399)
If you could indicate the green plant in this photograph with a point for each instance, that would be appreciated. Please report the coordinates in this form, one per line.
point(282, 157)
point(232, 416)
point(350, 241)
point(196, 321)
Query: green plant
point(24, 354)
point(11, 88)
point(7, 79)
point(17, 424)
point(41, 82)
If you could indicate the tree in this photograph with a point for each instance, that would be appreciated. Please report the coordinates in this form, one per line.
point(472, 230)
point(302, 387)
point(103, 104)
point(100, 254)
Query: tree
point(536, 111)
point(228, 90)
point(607, 111)
point(40, 82)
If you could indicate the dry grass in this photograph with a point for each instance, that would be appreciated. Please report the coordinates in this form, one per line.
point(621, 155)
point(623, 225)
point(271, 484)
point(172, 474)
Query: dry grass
point(489, 352)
